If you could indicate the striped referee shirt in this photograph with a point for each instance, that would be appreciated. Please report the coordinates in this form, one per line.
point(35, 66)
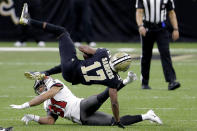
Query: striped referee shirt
point(155, 10)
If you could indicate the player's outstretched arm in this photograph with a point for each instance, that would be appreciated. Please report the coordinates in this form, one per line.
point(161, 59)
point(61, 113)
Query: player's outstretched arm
point(113, 93)
point(49, 120)
point(87, 49)
point(39, 99)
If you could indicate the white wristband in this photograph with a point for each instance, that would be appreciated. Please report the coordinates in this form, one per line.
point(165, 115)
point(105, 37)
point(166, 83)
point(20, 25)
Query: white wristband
point(26, 105)
point(36, 118)
point(127, 80)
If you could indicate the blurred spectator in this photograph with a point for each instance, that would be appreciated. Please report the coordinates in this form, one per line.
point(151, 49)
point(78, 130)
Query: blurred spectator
point(27, 32)
point(81, 29)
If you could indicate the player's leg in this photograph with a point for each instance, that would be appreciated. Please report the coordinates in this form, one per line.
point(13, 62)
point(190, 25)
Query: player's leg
point(66, 46)
point(92, 104)
point(90, 116)
point(131, 119)
point(67, 54)
point(101, 118)
point(68, 57)
point(26, 20)
point(51, 28)
point(98, 119)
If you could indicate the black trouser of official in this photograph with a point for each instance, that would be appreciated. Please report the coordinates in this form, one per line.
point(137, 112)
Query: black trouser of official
point(161, 36)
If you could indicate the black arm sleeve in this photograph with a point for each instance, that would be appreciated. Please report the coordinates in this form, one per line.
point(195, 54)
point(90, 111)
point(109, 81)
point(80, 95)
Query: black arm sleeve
point(120, 86)
point(54, 70)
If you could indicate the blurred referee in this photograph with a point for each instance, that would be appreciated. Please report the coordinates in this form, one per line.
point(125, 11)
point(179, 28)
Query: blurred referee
point(151, 21)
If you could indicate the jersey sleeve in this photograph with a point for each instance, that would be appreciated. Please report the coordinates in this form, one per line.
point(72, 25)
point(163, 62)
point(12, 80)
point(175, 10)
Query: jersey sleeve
point(51, 82)
point(170, 5)
point(139, 4)
point(100, 50)
point(116, 82)
point(57, 85)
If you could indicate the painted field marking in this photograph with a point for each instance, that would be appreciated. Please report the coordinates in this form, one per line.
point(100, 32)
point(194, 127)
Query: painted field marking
point(53, 49)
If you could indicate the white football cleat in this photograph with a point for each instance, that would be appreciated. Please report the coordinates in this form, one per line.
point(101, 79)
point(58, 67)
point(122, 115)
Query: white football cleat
point(153, 117)
point(24, 15)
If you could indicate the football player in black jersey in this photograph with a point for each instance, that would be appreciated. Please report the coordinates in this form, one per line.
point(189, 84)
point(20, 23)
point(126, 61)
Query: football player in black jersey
point(98, 67)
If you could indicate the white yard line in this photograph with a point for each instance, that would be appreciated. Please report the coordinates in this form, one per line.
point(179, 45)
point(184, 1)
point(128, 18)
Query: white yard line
point(28, 63)
point(28, 49)
point(34, 49)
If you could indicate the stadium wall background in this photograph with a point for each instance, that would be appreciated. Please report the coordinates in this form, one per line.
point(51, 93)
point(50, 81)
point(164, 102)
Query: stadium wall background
point(112, 20)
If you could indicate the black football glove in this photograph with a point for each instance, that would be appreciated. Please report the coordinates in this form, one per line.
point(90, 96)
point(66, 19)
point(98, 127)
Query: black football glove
point(119, 124)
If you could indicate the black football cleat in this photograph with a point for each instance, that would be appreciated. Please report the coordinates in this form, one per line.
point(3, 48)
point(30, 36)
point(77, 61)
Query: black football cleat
point(173, 85)
point(146, 87)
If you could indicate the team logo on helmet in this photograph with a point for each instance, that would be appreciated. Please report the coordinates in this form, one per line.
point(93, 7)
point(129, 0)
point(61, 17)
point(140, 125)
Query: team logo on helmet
point(121, 61)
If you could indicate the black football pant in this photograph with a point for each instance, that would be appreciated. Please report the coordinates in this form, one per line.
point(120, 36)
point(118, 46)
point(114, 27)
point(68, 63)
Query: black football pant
point(90, 115)
point(161, 36)
point(66, 49)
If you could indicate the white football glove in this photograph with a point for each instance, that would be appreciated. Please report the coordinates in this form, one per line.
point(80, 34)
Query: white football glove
point(23, 106)
point(130, 78)
point(29, 117)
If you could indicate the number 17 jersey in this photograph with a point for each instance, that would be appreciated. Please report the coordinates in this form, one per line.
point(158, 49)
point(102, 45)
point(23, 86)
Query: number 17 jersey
point(97, 70)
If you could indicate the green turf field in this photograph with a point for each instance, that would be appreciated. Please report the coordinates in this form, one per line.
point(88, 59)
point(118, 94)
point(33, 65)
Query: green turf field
point(177, 109)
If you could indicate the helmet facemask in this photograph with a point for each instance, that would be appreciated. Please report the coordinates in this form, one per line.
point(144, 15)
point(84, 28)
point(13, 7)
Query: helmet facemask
point(120, 62)
point(38, 85)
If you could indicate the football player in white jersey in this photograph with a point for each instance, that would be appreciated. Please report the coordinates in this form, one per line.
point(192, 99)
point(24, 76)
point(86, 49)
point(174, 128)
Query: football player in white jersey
point(59, 101)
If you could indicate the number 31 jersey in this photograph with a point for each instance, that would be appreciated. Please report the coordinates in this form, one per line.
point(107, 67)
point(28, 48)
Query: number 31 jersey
point(97, 70)
point(64, 103)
